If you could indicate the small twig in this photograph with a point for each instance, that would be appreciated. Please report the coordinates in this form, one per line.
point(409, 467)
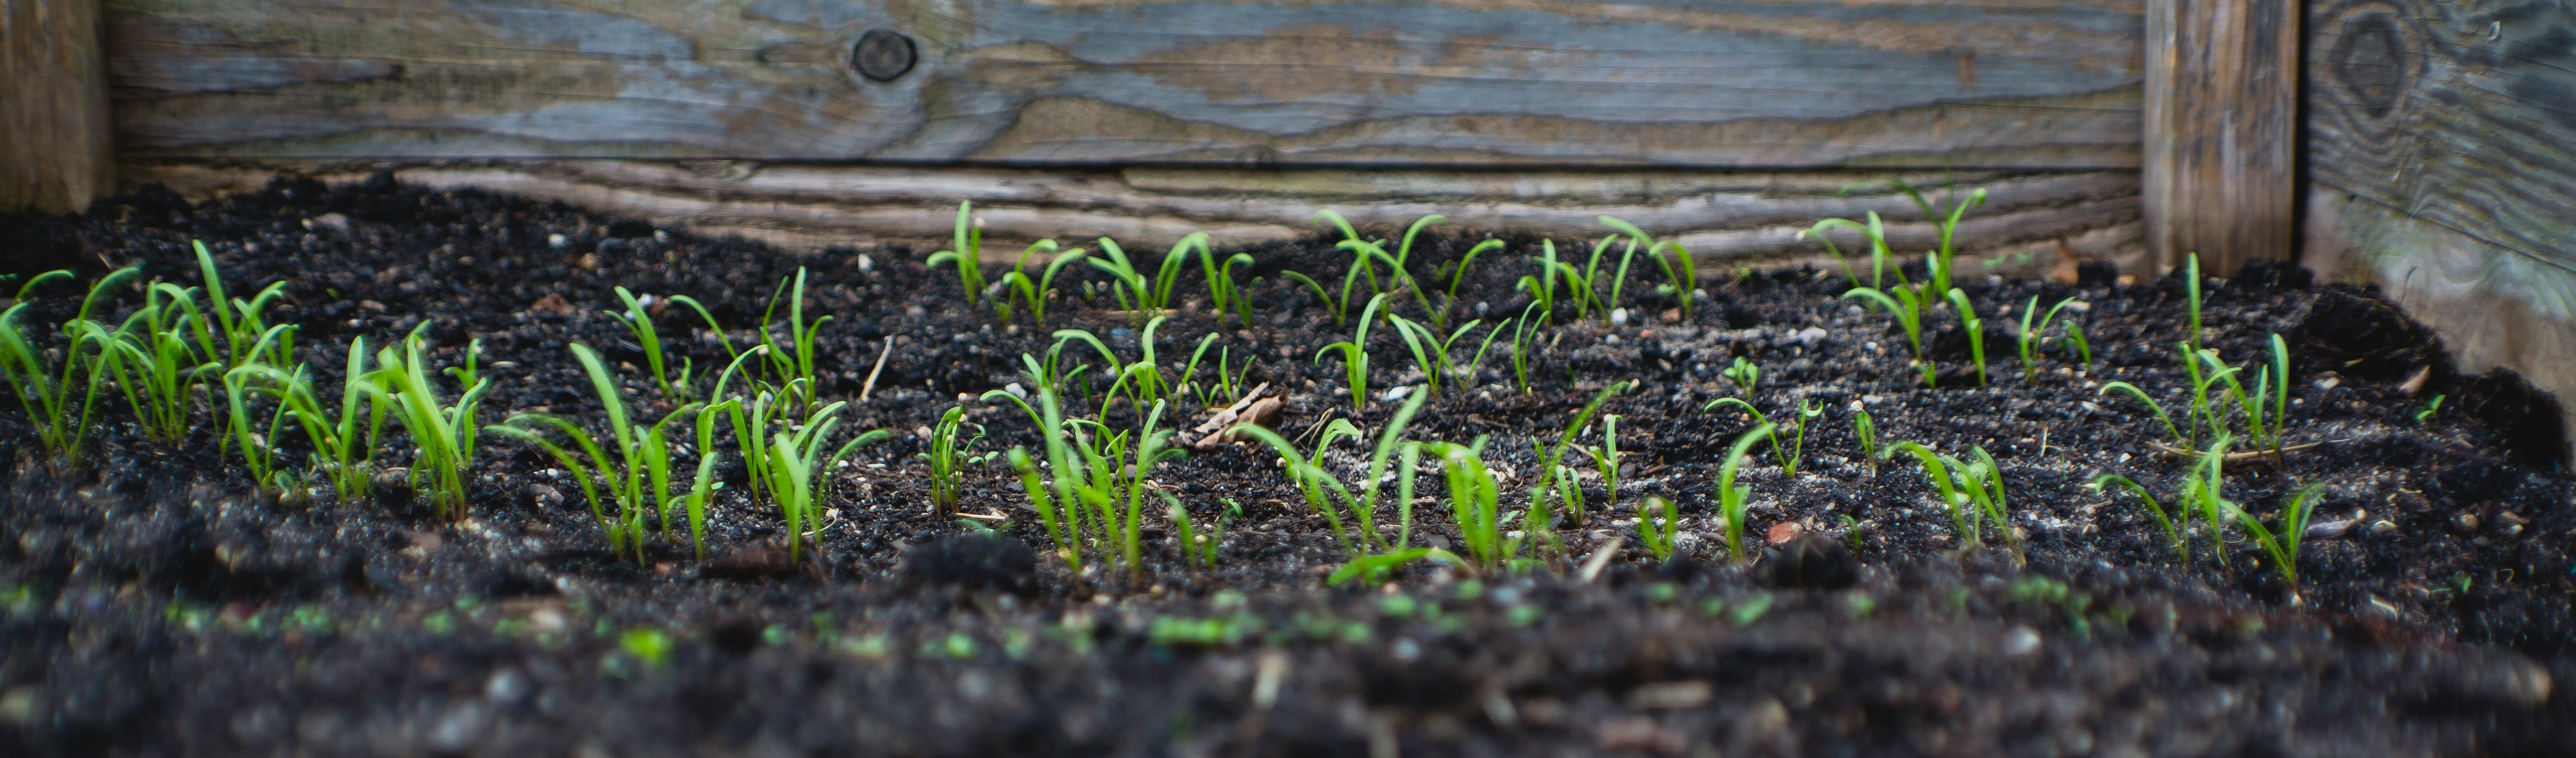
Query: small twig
point(2235, 457)
point(871, 385)
point(984, 516)
point(1601, 558)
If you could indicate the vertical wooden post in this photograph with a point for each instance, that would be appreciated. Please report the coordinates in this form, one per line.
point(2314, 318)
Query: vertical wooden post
point(2222, 130)
point(55, 149)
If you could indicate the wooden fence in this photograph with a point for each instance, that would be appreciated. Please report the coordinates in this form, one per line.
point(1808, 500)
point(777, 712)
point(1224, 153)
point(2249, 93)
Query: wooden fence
point(2426, 146)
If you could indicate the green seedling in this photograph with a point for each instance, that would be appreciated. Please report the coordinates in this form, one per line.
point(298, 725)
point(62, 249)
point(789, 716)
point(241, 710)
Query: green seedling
point(791, 366)
point(1432, 354)
point(1744, 373)
point(1198, 542)
point(1146, 298)
point(1525, 334)
point(1230, 382)
point(1034, 293)
point(966, 254)
point(1142, 380)
point(1657, 527)
point(1808, 409)
point(946, 450)
point(1974, 492)
point(799, 474)
point(344, 444)
point(58, 387)
point(1605, 459)
point(2151, 404)
point(246, 333)
point(258, 451)
point(2191, 290)
point(1976, 331)
point(2431, 407)
point(2173, 531)
point(2201, 492)
point(442, 434)
point(1875, 232)
point(1375, 568)
point(1475, 504)
point(1458, 274)
point(1906, 304)
point(1355, 355)
point(1943, 260)
point(1866, 429)
point(1551, 465)
point(1223, 293)
point(1098, 477)
point(1681, 273)
point(1731, 496)
point(1329, 498)
point(1618, 281)
point(2030, 338)
point(153, 365)
point(638, 318)
point(635, 469)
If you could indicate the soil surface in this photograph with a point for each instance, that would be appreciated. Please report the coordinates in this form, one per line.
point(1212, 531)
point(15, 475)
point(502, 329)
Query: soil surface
point(156, 604)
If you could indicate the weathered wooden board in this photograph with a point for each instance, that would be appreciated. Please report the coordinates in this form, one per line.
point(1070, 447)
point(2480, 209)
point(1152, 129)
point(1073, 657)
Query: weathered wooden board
point(1720, 217)
point(2222, 96)
point(54, 153)
point(1709, 83)
point(2442, 147)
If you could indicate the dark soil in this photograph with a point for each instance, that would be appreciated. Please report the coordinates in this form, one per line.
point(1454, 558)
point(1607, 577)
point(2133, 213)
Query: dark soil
point(156, 605)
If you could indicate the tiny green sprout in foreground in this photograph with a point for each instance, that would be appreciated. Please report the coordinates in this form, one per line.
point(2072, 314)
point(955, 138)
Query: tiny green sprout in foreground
point(1743, 373)
point(1974, 492)
point(258, 450)
point(1731, 496)
point(791, 366)
point(1976, 331)
point(1552, 469)
point(1851, 533)
point(344, 444)
point(1605, 459)
point(653, 646)
point(1034, 293)
point(966, 255)
point(945, 452)
point(1330, 499)
point(1197, 540)
point(1657, 526)
point(1866, 429)
point(1906, 305)
point(2032, 336)
point(2152, 405)
point(153, 364)
point(2283, 546)
point(2431, 407)
point(1525, 334)
point(1808, 409)
point(1355, 355)
point(1475, 504)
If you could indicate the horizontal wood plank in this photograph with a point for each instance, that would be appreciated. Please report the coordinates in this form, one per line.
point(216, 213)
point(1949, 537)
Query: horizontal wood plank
point(1722, 218)
point(1740, 83)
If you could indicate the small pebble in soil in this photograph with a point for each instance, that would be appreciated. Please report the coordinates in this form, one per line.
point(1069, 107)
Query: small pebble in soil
point(2020, 641)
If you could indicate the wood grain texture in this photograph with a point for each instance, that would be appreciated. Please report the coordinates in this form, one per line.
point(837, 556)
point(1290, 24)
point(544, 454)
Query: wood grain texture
point(1720, 217)
point(54, 151)
point(1734, 83)
point(2221, 97)
point(2442, 151)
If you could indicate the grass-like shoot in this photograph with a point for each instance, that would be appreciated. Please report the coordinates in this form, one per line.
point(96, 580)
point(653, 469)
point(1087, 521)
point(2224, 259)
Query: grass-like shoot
point(1033, 293)
point(638, 318)
point(966, 254)
point(1658, 525)
point(2283, 546)
point(258, 442)
point(946, 451)
point(1681, 272)
point(2173, 531)
point(1355, 357)
point(344, 443)
point(1198, 540)
point(1744, 373)
point(1866, 430)
point(1551, 466)
point(1605, 459)
point(2431, 407)
point(1875, 231)
point(1475, 504)
point(1906, 305)
point(1976, 331)
point(1789, 456)
point(1434, 355)
point(442, 434)
point(1525, 334)
point(2032, 336)
point(791, 365)
point(1942, 261)
point(58, 387)
point(1094, 485)
point(634, 469)
point(1731, 496)
point(1974, 492)
point(2159, 408)
point(1329, 498)
point(1146, 297)
point(153, 364)
point(245, 331)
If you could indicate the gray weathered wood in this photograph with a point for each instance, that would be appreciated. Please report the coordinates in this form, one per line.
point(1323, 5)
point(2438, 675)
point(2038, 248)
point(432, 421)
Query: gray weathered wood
point(1734, 83)
point(1720, 217)
point(2442, 151)
point(2221, 130)
point(54, 151)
